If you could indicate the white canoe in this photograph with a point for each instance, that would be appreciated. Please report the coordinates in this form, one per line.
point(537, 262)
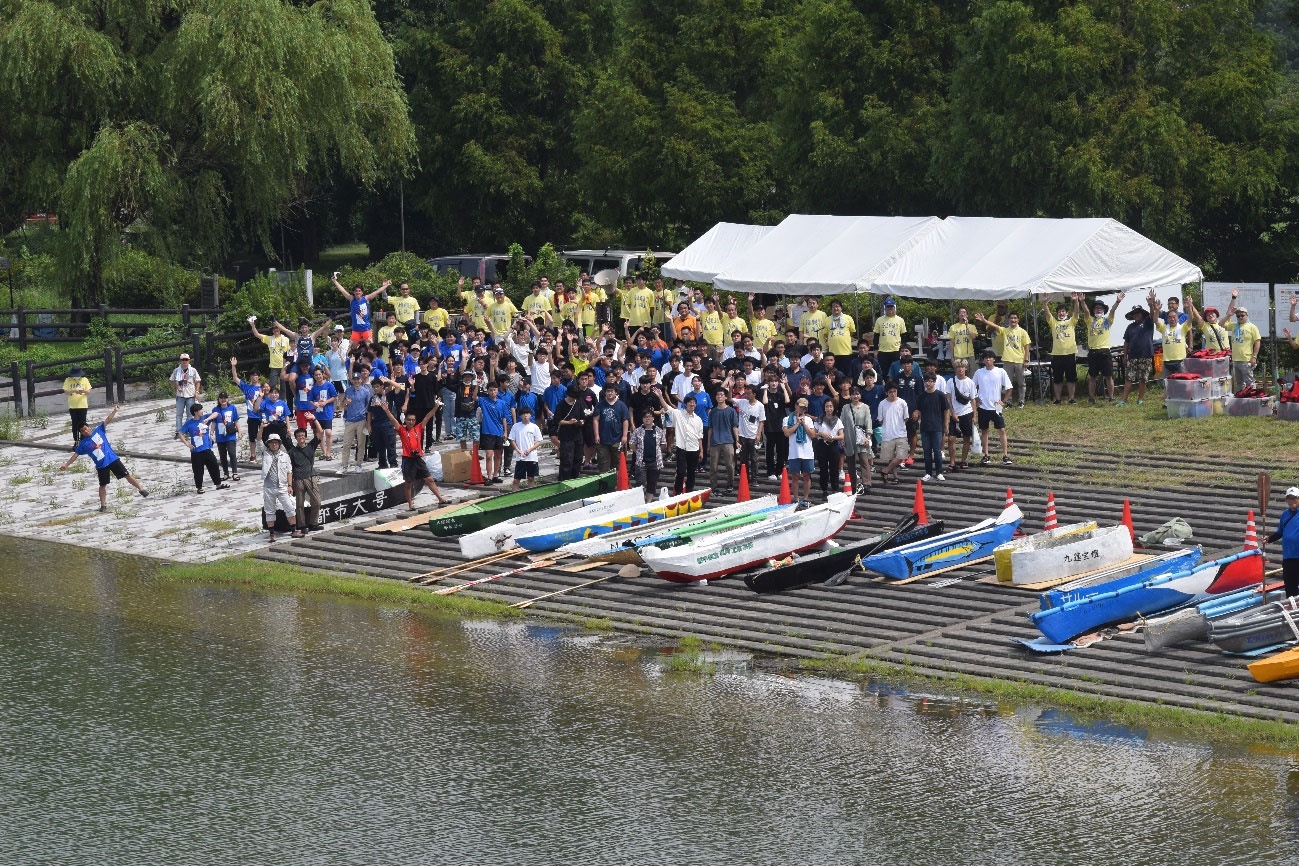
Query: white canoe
point(729, 552)
point(642, 512)
point(499, 537)
point(1059, 554)
point(616, 542)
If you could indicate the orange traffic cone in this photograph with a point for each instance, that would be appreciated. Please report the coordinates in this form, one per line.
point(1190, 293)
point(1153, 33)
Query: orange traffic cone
point(623, 482)
point(1010, 497)
point(922, 517)
point(1127, 521)
point(743, 490)
point(1050, 522)
point(783, 497)
point(475, 470)
point(847, 483)
point(1251, 532)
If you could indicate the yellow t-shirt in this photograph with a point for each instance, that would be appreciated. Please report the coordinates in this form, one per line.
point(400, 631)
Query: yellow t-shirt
point(1215, 337)
point(535, 306)
point(962, 334)
point(501, 315)
point(405, 308)
point(814, 326)
point(477, 312)
point(890, 331)
point(637, 307)
point(1242, 341)
point(1175, 340)
point(469, 298)
point(1098, 331)
point(1064, 341)
point(589, 302)
point(278, 345)
point(998, 337)
point(568, 310)
point(763, 330)
point(710, 327)
point(77, 401)
point(661, 300)
point(736, 324)
point(386, 334)
point(437, 319)
point(839, 334)
point(1017, 343)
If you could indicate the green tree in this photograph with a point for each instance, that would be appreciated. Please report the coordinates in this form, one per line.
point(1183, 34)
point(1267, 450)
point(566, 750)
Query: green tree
point(193, 124)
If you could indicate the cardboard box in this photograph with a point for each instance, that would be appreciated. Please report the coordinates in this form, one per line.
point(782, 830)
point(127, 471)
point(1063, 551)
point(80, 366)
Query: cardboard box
point(456, 465)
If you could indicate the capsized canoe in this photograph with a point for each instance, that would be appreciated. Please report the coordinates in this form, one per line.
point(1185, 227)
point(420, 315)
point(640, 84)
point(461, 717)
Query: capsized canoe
point(557, 536)
point(714, 556)
point(1192, 623)
point(479, 515)
point(1166, 591)
point(1059, 554)
point(1119, 576)
point(818, 566)
point(948, 550)
point(620, 546)
point(1264, 626)
point(500, 537)
point(1282, 666)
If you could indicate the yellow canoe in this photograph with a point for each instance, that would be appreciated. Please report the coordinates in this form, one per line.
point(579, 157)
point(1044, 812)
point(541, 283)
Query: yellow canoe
point(1282, 666)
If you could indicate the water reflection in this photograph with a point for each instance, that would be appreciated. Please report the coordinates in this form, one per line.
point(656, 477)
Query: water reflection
point(144, 723)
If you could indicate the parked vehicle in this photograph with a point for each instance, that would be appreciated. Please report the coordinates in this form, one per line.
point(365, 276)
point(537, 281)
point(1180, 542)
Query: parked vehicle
point(489, 267)
point(625, 262)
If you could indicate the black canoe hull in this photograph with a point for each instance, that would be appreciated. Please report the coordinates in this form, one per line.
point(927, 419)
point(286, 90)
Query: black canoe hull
point(817, 567)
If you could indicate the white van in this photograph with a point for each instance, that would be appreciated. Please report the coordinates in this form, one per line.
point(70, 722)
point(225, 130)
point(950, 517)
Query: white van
point(625, 262)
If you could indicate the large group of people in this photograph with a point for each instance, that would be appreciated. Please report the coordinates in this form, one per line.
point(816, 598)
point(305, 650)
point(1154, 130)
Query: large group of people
point(660, 374)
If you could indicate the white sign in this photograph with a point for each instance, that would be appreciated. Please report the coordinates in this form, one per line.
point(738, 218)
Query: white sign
point(1125, 306)
point(1284, 294)
point(1254, 297)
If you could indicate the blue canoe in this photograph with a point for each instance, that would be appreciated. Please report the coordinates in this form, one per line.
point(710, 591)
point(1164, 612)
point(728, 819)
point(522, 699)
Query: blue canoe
point(1159, 593)
point(948, 550)
point(1120, 576)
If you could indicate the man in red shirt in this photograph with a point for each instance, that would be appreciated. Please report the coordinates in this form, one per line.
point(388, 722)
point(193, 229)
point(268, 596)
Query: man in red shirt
point(411, 434)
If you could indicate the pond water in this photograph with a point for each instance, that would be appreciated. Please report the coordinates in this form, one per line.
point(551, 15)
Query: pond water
point(151, 723)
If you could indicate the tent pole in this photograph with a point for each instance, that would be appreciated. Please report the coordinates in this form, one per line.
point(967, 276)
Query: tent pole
point(1274, 302)
point(1037, 343)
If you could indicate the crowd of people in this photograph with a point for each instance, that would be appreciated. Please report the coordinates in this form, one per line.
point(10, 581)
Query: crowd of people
point(661, 374)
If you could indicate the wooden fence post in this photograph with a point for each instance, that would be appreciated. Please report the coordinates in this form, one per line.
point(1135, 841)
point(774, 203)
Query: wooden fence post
point(15, 376)
point(22, 328)
point(108, 376)
point(31, 388)
point(184, 315)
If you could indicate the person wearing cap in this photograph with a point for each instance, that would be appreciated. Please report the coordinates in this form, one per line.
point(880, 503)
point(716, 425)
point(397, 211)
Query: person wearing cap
point(1064, 349)
point(224, 419)
point(277, 484)
point(1100, 361)
point(1245, 342)
point(359, 308)
point(1287, 532)
point(196, 433)
point(501, 313)
point(356, 403)
point(187, 382)
point(1214, 335)
point(94, 443)
point(1015, 343)
point(77, 388)
point(890, 332)
point(800, 429)
point(991, 391)
point(1139, 349)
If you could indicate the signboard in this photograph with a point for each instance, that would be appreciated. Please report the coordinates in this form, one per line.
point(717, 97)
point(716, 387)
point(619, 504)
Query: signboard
point(1281, 319)
point(356, 505)
point(1254, 297)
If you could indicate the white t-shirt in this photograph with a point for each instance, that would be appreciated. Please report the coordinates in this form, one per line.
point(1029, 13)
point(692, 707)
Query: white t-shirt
point(965, 387)
point(689, 429)
point(752, 415)
point(187, 381)
point(524, 436)
point(540, 377)
point(802, 450)
point(830, 430)
point(893, 419)
point(990, 385)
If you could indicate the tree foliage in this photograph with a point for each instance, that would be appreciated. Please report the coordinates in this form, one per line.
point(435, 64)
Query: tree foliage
point(198, 123)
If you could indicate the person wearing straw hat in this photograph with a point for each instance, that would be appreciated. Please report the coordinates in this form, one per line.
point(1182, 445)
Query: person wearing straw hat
point(277, 483)
point(1139, 347)
point(1287, 532)
point(77, 388)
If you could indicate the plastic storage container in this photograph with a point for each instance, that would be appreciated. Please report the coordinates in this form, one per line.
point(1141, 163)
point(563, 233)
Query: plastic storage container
point(1208, 367)
point(1219, 405)
point(1287, 411)
point(1188, 389)
point(1249, 405)
point(1219, 386)
point(1201, 408)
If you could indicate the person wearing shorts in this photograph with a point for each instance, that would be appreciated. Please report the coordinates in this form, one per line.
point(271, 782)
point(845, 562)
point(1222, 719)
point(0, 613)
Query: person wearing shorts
point(992, 389)
point(277, 484)
point(1139, 344)
point(799, 427)
point(1064, 350)
point(94, 443)
point(960, 425)
point(526, 438)
point(893, 417)
point(414, 471)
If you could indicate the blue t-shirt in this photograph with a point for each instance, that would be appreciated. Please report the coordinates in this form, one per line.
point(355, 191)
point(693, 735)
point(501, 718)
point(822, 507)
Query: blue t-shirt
point(250, 394)
point(451, 350)
point(324, 391)
point(96, 445)
point(225, 421)
point(496, 413)
point(274, 410)
point(612, 417)
point(358, 400)
point(410, 364)
point(379, 369)
point(360, 314)
point(872, 397)
point(703, 404)
point(599, 374)
point(816, 404)
point(526, 400)
point(198, 435)
point(554, 395)
point(302, 394)
point(723, 421)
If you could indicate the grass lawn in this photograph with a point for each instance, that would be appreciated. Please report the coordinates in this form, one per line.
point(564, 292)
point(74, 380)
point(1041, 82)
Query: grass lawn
point(333, 258)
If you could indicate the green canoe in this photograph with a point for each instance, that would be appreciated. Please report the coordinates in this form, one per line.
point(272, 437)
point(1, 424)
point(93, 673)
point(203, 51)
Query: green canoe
point(506, 506)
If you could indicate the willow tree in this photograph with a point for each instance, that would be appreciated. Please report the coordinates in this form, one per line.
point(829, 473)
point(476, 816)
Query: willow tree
point(197, 124)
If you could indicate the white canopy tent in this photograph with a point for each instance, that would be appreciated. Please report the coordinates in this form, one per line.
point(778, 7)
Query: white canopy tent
point(713, 251)
point(986, 258)
point(823, 255)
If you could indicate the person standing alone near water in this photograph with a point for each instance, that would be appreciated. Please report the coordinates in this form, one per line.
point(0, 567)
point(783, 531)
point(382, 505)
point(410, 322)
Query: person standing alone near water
point(95, 444)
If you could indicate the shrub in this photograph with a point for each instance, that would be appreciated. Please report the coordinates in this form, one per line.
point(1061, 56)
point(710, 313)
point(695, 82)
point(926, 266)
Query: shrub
point(266, 298)
point(425, 282)
point(137, 279)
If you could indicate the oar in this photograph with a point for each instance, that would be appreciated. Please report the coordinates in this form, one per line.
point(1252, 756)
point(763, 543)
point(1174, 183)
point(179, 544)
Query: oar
point(906, 524)
point(1264, 494)
point(481, 580)
point(625, 571)
point(441, 573)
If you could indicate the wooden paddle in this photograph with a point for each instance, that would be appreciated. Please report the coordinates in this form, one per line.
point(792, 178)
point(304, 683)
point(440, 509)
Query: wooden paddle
point(481, 580)
point(625, 571)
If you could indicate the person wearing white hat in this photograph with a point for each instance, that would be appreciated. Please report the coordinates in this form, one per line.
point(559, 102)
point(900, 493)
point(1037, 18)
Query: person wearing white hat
point(1287, 532)
point(277, 483)
point(187, 381)
point(1245, 340)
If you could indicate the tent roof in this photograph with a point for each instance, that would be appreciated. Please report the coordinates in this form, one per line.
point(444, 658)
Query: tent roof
point(823, 255)
point(710, 253)
point(989, 258)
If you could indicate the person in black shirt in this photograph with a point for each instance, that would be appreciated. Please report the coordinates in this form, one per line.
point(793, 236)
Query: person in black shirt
point(642, 400)
point(930, 410)
point(910, 385)
point(565, 429)
point(302, 457)
point(382, 434)
point(776, 400)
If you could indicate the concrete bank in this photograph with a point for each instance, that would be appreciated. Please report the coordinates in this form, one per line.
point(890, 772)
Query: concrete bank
point(962, 627)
